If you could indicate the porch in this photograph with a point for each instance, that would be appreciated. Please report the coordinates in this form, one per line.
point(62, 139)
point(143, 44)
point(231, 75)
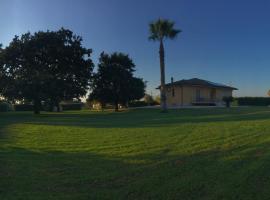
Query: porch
point(204, 102)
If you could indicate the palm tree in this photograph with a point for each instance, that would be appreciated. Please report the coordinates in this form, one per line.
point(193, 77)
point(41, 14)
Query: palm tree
point(159, 31)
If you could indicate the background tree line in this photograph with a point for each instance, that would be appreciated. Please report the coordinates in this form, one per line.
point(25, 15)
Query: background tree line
point(46, 68)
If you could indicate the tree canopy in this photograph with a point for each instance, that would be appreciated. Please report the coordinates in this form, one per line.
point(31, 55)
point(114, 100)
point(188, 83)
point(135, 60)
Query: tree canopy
point(114, 81)
point(162, 29)
point(45, 67)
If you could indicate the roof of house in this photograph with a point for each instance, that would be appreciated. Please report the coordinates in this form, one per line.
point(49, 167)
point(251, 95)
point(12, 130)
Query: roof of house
point(199, 82)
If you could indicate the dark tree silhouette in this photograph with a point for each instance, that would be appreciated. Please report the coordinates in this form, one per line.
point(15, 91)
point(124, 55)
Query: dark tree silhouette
point(159, 31)
point(114, 82)
point(46, 67)
point(1, 71)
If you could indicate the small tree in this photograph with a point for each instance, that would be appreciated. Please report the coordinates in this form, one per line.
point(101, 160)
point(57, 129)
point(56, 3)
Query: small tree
point(114, 82)
point(228, 100)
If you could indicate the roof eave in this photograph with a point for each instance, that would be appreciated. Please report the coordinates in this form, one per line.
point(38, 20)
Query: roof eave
point(232, 88)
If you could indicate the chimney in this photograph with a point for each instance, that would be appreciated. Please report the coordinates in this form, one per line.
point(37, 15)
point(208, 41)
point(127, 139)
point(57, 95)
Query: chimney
point(171, 80)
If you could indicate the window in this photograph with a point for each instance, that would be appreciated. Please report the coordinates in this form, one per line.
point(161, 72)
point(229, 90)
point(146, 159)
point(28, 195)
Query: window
point(173, 92)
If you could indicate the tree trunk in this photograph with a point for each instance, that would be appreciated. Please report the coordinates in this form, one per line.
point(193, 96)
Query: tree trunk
point(116, 106)
point(37, 106)
point(162, 78)
point(51, 105)
point(103, 105)
point(58, 107)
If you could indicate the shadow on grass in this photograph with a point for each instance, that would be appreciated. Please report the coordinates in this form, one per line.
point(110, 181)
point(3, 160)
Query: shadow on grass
point(146, 118)
point(236, 173)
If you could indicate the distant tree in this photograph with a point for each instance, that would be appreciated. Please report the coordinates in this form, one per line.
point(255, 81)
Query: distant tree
point(159, 31)
point(157, 99)
point(228, 100)
point(148, 99)
point(268, 93)
point(46, 66)
point(114, 82)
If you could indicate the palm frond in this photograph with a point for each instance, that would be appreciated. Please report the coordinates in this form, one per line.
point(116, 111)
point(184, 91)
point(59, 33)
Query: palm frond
point(162, 28)
point(173, 33)
point(153, 32)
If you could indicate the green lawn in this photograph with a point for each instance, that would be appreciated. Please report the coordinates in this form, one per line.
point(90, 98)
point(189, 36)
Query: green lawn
point(141, 154)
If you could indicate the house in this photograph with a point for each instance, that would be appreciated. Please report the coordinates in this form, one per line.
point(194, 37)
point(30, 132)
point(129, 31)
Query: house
point(196, 92)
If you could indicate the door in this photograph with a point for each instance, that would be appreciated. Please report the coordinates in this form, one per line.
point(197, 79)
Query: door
point(198, 95)
point(213, 94)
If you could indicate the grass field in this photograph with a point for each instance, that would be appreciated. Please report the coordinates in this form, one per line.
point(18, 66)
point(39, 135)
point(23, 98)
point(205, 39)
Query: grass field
point(141, 154)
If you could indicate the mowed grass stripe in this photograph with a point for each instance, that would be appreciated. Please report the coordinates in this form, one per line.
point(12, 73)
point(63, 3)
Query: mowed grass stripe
point(139, 154)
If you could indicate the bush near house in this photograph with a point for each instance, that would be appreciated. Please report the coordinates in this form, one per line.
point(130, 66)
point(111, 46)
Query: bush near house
point(253, 101)
point(228, 100)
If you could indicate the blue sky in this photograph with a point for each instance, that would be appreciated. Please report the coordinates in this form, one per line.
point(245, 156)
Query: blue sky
point(226, 41)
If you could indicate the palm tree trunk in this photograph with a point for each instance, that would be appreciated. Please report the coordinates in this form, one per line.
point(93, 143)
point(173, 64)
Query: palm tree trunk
point(162, 77)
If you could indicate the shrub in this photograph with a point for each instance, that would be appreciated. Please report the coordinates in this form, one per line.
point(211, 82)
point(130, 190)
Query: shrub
point(72, 106)
point(137, 104)
point(5, 106)
point(46, 107)
point(155, 103)
point(23, 107)
point(228, 101)
point(253, 101)
point(142, 103)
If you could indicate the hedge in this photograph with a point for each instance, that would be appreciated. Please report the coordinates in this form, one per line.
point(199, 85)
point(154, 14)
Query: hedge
point(137, 104)
point(5, 106)
point(72, 106)
point(23, 107)
point(253, 101)
point(66, 106)
point(141, 104)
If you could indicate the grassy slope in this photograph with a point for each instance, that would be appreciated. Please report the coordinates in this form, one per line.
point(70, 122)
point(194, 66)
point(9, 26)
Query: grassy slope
point(143, 154)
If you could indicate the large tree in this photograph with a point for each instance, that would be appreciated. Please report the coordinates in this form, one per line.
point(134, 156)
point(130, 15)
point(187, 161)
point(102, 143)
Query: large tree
point(114, 82)
point(46, 67)
point(159, 31)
